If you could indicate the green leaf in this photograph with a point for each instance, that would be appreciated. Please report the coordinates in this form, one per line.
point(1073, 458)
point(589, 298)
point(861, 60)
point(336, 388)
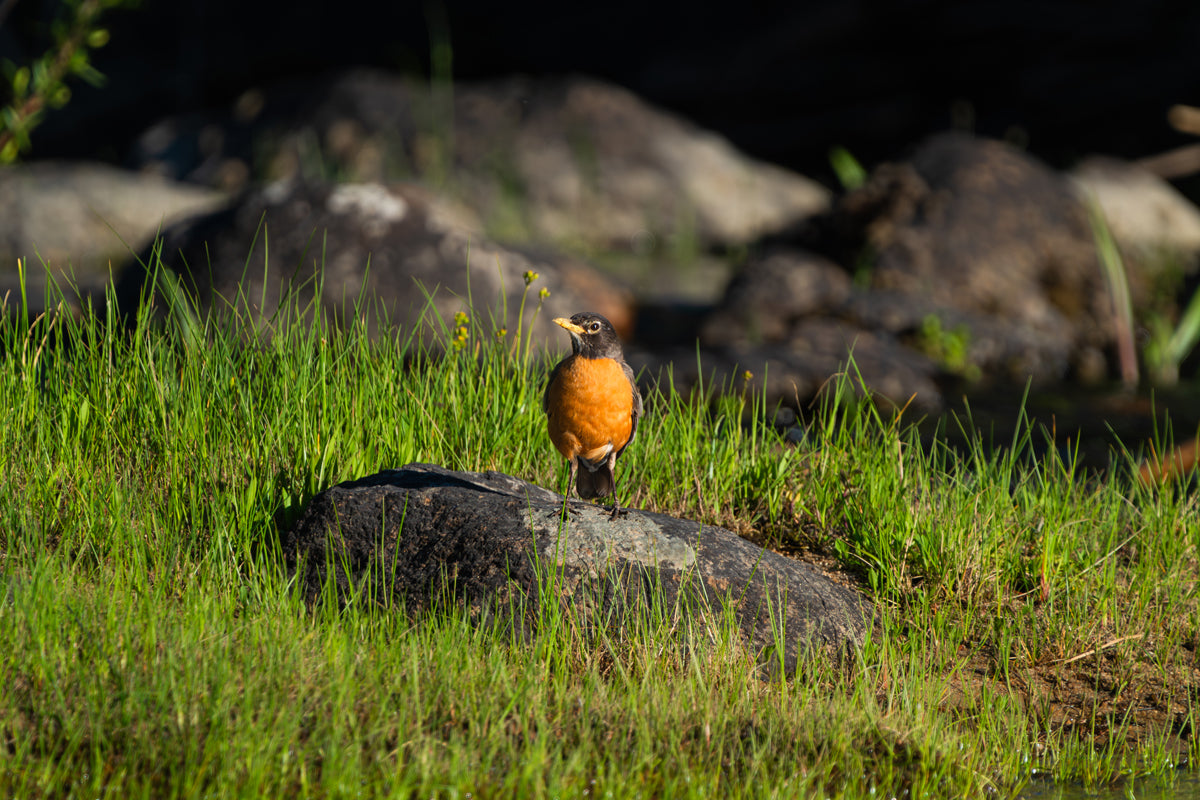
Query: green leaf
point(60, 97)
point(849, 171)
point(41, 76)
point(27, 124)
point(20, 83)
point(91, 75)
point(97, 38)
point(10, 118)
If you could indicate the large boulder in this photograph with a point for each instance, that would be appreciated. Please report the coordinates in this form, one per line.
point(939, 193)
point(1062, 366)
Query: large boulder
point(424, 534)
point(566, 160)
point(970, 264)
point(979, 227)
point(394, 250)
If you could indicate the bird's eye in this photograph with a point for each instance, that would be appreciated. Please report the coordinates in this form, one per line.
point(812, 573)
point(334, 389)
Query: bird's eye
point(594, 327)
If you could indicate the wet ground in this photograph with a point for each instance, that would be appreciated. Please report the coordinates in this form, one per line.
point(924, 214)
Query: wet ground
point(1181, 786)
point(1105, 427)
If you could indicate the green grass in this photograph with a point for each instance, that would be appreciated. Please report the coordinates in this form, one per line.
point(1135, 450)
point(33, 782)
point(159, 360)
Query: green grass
point(1032, 618)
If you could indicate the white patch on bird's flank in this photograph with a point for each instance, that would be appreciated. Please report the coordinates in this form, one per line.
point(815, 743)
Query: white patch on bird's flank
point(594, 459)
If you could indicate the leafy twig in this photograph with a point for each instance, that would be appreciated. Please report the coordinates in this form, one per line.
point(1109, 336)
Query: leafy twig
point(42, 85)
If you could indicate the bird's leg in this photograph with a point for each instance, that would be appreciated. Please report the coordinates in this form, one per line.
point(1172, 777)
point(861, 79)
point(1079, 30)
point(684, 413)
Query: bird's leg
point(572, 468)
point(616, 509)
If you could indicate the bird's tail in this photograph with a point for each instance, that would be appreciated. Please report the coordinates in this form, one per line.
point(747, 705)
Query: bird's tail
point(595, 481)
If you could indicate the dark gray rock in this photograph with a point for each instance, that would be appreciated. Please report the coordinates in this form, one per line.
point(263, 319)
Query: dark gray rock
point(424, 534)
point(396, 248)
point(771, 292)
point(995, 348)
point(974, 265)
point(804, 367)
point(979, 227)
point(784, 319)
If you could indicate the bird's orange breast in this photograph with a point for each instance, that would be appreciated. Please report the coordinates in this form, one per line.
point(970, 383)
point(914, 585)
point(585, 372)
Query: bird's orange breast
point(590, 408)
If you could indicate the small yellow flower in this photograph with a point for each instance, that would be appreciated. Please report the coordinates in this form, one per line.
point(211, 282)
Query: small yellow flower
point(544, 293)
point(530, 276)
point(462, 331)
point(747, 376)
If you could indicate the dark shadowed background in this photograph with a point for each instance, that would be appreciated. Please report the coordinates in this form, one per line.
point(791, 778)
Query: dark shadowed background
point(784, 81)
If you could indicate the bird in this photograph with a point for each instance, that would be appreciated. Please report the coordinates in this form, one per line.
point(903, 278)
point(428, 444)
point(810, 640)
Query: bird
point(592, 407)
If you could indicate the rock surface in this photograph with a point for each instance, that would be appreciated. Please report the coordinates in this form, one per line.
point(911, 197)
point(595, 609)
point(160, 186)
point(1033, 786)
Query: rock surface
point(1143, 211)
point(82, 220)
point(784, 320)
point(393, 245)
point(973, 264)
point(978, 226)
point(560, 160)
point(1156, 228)
point(490, 540)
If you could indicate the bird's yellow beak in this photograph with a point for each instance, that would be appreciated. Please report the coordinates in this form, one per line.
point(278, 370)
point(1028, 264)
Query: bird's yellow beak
point(563, 322)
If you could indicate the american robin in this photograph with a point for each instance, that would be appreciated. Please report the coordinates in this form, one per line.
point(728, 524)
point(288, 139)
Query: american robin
point(592, 406)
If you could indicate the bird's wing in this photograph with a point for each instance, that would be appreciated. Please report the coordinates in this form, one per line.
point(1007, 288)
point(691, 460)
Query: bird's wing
point(637, 403)
point(550, 382)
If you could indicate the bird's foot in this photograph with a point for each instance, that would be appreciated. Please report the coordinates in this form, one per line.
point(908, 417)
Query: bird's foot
point(565, 512)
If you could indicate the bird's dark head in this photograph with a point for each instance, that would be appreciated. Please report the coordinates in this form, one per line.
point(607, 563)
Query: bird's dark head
point(592, 336)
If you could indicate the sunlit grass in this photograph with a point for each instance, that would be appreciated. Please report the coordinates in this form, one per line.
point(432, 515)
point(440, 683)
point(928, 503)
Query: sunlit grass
point(155, 648)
